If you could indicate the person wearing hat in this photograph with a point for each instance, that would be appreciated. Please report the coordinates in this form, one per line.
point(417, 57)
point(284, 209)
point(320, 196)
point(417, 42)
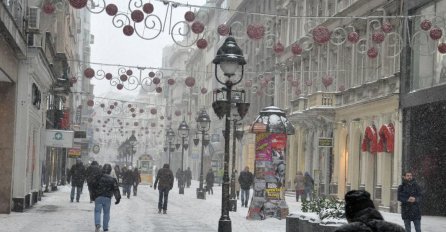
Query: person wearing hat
point(77, 178)
point(362, 215)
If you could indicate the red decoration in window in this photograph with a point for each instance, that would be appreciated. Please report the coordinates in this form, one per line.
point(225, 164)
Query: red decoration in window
point(370, 141)
point(386, 138)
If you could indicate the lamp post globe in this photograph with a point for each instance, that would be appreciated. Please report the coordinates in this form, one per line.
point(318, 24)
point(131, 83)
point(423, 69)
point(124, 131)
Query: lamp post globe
point(183, 132)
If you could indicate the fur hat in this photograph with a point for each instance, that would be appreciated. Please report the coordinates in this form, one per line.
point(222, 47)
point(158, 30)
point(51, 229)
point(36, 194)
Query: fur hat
point(355, 201)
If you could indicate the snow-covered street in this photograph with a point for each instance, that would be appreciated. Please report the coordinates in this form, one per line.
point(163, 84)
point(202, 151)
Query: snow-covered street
point(185, 213)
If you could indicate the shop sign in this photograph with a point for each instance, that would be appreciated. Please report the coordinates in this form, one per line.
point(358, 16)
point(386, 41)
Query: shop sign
point(74, 152)
point(59, 138)
point(325, 142)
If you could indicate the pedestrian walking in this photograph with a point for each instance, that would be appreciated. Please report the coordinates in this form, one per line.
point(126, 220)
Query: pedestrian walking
point(246, 179)
point(409, 194)
point(237, 184)
point(188, 177)
point(179, 176)
point(164, 180)
point(210, 179)
point(136, 180)
point(127, 181)
point(93, 174)
point(117, 173)
point(299, 186)
point(362, 215)
point(103, 191)
point(77, 178)
point(309, 186)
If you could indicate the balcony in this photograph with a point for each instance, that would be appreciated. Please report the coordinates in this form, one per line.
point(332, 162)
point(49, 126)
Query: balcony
point(317, 100)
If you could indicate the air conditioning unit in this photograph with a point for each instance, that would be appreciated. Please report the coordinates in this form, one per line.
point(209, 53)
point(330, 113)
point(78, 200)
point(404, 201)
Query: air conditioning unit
point(33, 18)
point(34, 40)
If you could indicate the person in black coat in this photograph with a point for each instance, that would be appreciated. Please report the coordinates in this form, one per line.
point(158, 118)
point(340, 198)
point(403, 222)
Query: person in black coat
point(77, 178)
point(102, 191)
point(136, 180)
point(409, 194)
point(246, 179)
point(93, 174)
point(127, 181)
point(164, 180)
point(188, 176)
point(210, 179)
point(362, 215)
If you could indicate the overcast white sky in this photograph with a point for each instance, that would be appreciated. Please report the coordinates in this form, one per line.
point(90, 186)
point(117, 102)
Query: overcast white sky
point(112, 46)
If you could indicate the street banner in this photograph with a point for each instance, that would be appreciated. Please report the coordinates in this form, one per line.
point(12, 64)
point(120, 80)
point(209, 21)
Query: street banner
point(269, 178)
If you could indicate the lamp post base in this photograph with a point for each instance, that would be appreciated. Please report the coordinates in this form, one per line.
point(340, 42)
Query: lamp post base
point(233, 205)
point(201, 194)
point(224, 224)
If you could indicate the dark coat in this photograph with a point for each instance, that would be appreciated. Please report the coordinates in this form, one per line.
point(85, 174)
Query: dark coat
point(188, 174)
point(210, 179)
point(369, 220)
point(107, 186)
point(77, 175)
point(93, 174)
point(136, 177)
point(127, 177)
point(410, 210)
point(164, 179)
point(245, 179)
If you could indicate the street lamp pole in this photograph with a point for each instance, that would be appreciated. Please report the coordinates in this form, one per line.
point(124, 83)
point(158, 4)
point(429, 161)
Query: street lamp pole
point(203, 125)
point(183, 132)
point(170, 135)
point(229, 57)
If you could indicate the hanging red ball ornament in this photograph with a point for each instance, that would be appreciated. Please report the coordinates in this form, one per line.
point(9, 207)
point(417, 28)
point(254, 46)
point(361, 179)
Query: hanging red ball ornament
point(197, 27)
point(442, 48)
point(48, 8)
point(115, 103)
point(204, 90)
point(435, 33)
point(223, 29)
point(387, 27)
point(89, 73)
point(259, 93)
point(128, 30)
point(123, 77)
point(112, 106)
point(141, 111)
point(341, 88)
point(278, 48)
point(255, 31)
point(159, 89)
point(78, 4)
point(169, 118)
point(296, 49)
point(108, 112)
point(202, 43)
point(327, 81)
point(298, 92)
point(170, 81)
point(108, 76)
point(295, 83)
point(190, 81)
point(153, 124)
point(372, 52)
point(102, 105)
point(119, 86)
point(148, 8)
point(426, 25)
point(129, 72)
point(153, 111)
point(177, 113)
point(133, 115)
point(353, 37)
point(135, 123)
point(156, 80)
point(321, 35)
point(308, 82)
point(151, 74)
point(129, 105)
point(111, 9)
point(137, 16)
point(90, 120)
point(378, 37)
point(189, 16)
point(132, 110)
point(263, 83)
point(90, 103)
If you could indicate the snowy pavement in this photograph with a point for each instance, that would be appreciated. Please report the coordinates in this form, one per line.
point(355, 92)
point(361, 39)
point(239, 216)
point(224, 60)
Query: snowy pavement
point(137, 214)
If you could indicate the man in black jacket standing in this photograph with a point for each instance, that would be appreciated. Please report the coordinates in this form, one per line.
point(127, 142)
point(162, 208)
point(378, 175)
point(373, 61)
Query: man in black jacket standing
point(165, 179)
point(245, 179)
point(102, 192)
point(409, 194)
point(77, 178)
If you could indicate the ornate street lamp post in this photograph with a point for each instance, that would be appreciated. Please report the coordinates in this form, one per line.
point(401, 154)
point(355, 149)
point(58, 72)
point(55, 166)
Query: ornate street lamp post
point(183, 132)
point(238, 134)
point(229, 57)
point(132, 141)
point(170, 135)
point(203, 125)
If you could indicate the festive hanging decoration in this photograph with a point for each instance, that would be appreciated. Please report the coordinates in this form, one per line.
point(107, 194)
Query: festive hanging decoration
point(387, 27)
point(353, 37)
point(156, 80)
point(197, 27)
point(442, 48)
point(327, 80)
point(321, 34)
point(89, 73)
point(78, 4)
point(148, 8)
point(190, 81)
point(278, 48)
point(296, 49)
point(153, 111)
point(204, 90)
point(48, 8)
point(426, 25)
point(111, 9)
point(370, 141)
point(128, 30)
point(137, 16)
point(223, 30)
point(90, 103)
point(189, 16)
point(159, 89)
point(372, 52)
point(378, 37)
point(119, 86)
point(123, 77)
point(202, 43)
point(435, 33)
point(386, 138)
point(255, 31)
point(170, 81)
point(108, 76)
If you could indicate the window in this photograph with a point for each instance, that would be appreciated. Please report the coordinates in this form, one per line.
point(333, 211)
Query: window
point(429, 66)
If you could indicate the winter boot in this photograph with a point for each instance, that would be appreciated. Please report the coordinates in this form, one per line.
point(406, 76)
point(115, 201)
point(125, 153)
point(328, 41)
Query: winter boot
point(159, 211)
point(164, 211)
point(98, 228)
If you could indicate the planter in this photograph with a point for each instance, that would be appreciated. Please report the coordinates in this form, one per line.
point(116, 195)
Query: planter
point(294, 224)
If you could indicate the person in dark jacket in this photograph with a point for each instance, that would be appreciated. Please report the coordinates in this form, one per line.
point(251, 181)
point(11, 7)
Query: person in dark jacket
point(105, 188)
point(210, 178)
point(308, 187)
point(77, 178)
point(164, 181)
point(246, 180)
point(117, 172)
point(188, 176)
point(93, 174)
point(409, 194)
point(127, 181)
point(362, 215)
point(180, 177)
point(136, 180)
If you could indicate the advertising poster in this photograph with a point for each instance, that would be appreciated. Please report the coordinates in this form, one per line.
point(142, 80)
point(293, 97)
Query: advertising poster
point(269, 178)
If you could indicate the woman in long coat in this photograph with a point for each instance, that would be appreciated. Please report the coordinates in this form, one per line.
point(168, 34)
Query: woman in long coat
point(299, 186)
